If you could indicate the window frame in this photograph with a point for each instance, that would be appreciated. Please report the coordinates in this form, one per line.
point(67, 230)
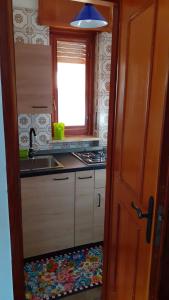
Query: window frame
point(89, 39)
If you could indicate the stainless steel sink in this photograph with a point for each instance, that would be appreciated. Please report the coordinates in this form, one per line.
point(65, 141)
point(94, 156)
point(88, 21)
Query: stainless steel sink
point(40, 163)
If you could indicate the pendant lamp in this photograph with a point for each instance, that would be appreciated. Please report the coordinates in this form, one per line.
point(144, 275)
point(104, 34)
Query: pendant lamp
point(89, 17)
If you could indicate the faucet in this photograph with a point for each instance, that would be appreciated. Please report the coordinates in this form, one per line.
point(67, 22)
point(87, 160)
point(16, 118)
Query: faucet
point(31, 150)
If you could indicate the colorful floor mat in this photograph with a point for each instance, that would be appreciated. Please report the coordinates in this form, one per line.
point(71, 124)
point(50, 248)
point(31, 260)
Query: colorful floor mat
point(64, 274)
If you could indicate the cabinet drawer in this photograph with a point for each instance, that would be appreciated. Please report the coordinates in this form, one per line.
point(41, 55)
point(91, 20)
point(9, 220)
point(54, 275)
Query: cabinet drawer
point(61, 179)
point(84, 182)
point(100, 178)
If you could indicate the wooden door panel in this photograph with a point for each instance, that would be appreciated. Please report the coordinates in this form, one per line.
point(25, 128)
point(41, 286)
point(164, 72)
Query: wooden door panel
point(132, 118)
point(131, 249)
point(136, 99)
point(140, 106)
point(128, 245)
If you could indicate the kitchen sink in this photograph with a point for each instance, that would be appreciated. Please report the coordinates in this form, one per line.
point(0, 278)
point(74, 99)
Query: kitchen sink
point(40, 163)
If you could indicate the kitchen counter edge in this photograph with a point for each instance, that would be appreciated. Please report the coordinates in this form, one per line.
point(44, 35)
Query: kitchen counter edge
point(71, 164)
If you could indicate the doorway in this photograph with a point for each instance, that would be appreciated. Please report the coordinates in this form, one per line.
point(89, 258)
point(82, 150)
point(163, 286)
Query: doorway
point(14, 160)
point(85, 183)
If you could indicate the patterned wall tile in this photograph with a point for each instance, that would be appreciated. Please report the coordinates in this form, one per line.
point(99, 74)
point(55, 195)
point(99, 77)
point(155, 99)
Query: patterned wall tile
point(26, 28)
point(24, 121)
point(42, 125)
point(102, 88)
point(24, 139)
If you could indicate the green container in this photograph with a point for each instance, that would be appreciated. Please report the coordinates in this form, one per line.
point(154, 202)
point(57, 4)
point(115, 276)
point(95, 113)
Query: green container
point(23, 153)
point(59, 131)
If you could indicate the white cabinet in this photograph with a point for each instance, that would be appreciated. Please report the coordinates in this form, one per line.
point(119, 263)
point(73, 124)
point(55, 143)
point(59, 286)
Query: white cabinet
point(84, 195)
point(48, 213)
point(89, 206)
point(61, 211)
point(99, 205)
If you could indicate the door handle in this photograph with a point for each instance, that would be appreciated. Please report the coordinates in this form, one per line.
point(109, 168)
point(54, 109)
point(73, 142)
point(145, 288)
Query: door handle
point(39, 106)
point(139, 212)
point(58, 179)
point(88, 177)
point(99, 200)
point(148, 215)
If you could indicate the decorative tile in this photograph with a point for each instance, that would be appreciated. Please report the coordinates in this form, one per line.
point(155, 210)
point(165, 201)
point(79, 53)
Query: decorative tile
point(26, 28)
point(41, 121)
point(24, 139)
point(24, 121)
point(42, 139)
point(102, 85)
point(42, 125)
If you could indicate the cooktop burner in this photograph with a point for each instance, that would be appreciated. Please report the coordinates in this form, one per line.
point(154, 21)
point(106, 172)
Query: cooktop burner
point(91, 158)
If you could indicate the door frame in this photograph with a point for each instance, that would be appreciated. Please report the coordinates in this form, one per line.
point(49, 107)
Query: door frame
point(110, 148)
point(12, 153)
point(11, 142)
point(160, 267)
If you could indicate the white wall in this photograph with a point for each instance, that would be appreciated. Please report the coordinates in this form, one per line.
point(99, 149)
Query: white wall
point(6, 287)
point(26, 3)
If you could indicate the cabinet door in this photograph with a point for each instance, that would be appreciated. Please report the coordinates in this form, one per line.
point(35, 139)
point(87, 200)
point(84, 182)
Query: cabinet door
point(99, 212)
point(33, 78)
point(84, 207)
point(48, 213)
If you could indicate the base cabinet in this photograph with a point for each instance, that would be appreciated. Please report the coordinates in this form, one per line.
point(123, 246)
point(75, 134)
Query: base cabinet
point(61, 211)
point(48, 213)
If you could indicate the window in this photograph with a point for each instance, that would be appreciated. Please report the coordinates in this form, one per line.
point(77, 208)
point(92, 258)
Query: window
point(73, 80)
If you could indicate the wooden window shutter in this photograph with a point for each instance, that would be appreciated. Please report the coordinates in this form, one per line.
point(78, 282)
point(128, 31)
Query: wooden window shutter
point(71, 52)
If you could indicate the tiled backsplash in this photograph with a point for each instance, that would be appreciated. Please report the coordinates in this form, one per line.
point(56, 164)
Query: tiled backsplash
point(26, 30)
point(42, 125)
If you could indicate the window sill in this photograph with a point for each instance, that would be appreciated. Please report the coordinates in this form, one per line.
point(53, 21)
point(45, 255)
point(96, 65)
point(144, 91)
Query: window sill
point(71, 139)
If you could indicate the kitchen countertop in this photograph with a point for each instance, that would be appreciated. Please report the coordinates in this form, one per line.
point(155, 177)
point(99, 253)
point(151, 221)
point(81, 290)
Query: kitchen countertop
point(70, 163)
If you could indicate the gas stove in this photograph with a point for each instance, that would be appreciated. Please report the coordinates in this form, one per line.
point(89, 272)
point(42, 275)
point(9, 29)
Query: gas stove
point(91, 158)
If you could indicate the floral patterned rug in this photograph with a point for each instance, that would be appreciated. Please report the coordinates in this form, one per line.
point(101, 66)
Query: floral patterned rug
point(62, 275)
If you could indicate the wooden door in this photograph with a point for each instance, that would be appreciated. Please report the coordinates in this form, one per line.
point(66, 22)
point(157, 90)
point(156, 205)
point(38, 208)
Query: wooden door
point(48, 213)
point(140, 107)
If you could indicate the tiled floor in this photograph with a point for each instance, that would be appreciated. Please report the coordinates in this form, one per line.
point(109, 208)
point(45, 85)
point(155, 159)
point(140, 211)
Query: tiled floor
point(94, 294)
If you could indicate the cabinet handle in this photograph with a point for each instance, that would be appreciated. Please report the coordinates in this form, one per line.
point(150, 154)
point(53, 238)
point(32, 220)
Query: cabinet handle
point(85, 177)
point(39, 106)
point(58, 179)
point(99, 200)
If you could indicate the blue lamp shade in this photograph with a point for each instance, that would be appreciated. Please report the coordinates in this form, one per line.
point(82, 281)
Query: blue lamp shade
point(89, 17)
